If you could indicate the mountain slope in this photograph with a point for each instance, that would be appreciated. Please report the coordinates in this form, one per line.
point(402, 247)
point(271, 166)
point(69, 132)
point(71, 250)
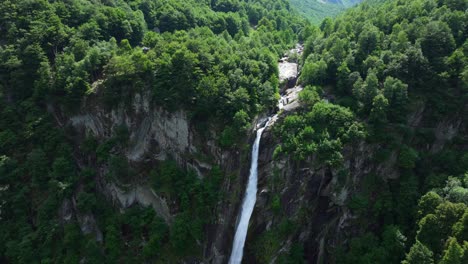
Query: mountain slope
point(126, 129)
point(373, 168)
point(317, 10)
point(123, 124)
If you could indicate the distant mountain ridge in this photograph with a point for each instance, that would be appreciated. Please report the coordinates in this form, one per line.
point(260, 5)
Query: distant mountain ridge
point(341, 2)
point(317, 10)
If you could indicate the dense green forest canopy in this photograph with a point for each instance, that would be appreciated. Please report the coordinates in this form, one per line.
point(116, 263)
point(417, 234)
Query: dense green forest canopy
point(217, 60)
point(214, 59)
point(317, 10)
point(378, 64)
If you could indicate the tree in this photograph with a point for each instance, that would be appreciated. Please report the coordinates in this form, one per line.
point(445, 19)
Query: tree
point(267, 94)
point(314, 73)
point(119, 168)
point(184, 71)
point(86, 202)
point(393, 241)
point(449, 214)
point(62, 169)
point(233, 23)
point(397, 93)
point(408, 157)
point(464, 78)
point(453, 254)
point(333, 119)
point(125, 46)
point(370, 89)
point(343, 80)
point(309, 95)
point(460, 229)
point(419, 254)
point(429, 232)
point(369, 39)
point(38, 166)
point(437, 42)
point(428, 203)
point(327, 26)
point(44, 83)
point(378, 113)
point(93, 253)
point(113, 244)
point(181, 234)
point(454, 191)
point(241, 120)
point(75, 90)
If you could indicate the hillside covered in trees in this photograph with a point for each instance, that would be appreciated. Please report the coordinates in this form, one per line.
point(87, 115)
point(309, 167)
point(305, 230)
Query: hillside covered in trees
point(214, 59)
point(372, 167)
point(396, 75)
point(317, 10)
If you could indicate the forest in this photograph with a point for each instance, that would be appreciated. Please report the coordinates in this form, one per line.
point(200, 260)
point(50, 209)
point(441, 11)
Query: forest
point(316, 10)
point(216, 59)
point(377, 65)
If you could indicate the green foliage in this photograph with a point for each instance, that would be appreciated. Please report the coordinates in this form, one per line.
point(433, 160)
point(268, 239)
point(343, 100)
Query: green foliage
point(419, 254)
point(196, 200)
point(241, 120)
point(407, 158)
point(441, 223)
point(276, 204)
point(268, 243)
point(119, 168)
point(316, 11)
point(313, 73)
point(58, 57)
point(321, 131)
point(397, 94)
point(428, 203)
point(216, 60)
point(453, 254)
point(390, 63)
point(358, 202)
point(228, 137)
point(86, 202)
point(309, 95)
point(378, 113)
point(370, 249)
point(294, 256)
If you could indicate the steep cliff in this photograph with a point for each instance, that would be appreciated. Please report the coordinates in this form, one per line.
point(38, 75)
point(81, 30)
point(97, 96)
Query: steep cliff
point(315, 200)
point(370, 207)
point(154, 136)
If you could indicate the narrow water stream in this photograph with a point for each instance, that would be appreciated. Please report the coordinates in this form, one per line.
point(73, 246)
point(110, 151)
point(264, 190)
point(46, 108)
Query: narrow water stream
point(250, 197)
point(248, 204)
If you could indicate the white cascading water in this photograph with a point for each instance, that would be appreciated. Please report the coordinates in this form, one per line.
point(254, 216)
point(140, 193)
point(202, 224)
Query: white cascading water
point(250, 197)
point(251, 193)
point(248, 204)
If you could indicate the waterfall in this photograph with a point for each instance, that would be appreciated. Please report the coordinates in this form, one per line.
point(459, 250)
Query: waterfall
point(250, 196)
point(248, 203)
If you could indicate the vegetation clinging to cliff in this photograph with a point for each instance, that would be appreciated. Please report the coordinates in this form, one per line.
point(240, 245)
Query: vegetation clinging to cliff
point(214, 59)
point(380, 64)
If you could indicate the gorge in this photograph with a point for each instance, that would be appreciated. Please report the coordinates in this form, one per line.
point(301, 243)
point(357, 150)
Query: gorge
point(142, 131)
